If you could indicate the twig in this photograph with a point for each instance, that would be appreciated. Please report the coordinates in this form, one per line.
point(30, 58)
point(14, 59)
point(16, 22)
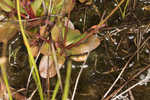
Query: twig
point(29, 78)
point(131, 95)
point(124, 68)
point(134, 4)
point(56, 65)
point(122, 86)
point(78, 77)
point(44, 6)
point(50, 7)
point(100, 25)
point(127, 90)
point(30, 98)
point(84, 21)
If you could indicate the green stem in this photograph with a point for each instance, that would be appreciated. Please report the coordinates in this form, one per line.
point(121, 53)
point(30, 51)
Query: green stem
point(6, 81)
point(31, 58)
point(67, 81)
point(56, 90)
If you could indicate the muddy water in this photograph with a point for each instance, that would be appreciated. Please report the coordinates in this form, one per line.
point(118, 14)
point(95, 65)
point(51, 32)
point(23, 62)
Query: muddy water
point(121, 38)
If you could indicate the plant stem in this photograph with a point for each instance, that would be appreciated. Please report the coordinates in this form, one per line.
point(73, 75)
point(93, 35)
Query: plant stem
point(67, 81)
point(31, 59)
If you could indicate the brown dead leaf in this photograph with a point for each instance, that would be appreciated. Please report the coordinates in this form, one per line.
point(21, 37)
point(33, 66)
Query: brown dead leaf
point(68, 6)
point(43, 31)
point(82, 1)
point(34, 50)
point(80, 58)
point(46, 49)
point(8, 30)
point(46, 67)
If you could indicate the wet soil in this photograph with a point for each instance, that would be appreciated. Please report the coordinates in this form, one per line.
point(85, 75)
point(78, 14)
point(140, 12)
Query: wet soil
point(121, 39)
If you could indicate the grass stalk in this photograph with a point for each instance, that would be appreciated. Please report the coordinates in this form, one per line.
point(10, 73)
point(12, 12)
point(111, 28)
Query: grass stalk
point(3, 69)
point(67, 81)
point(112, 12)
point(31, 58)
point(56, 90)
point(123, 12)
point(56, 65)
point(6, 81)
point(78, 77)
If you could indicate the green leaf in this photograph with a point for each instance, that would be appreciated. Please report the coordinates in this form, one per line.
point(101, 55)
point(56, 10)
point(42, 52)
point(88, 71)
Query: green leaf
point(10, 3)
point(73, 36)
point(87, 46)
point(5, 5)
point(36, 5)
point(55, 32)
point(57, 6)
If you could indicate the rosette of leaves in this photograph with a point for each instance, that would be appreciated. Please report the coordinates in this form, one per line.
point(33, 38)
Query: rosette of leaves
point(63, 33)
point(76, 53)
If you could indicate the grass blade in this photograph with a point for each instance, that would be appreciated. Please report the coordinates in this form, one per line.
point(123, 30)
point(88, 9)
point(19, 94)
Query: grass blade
point(67, 81)
point(6, 80)
point(56, 90)
point(31, 59)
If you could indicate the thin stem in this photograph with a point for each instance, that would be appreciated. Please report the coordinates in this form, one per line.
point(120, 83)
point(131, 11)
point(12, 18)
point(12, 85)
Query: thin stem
point(3, 68)
point(100, 25)
point(6, 80)
point(77, 80)
point(29, 78)
point(56, 90)
point(67, 81)
point(124, 68)
point(31, 59)
point(56, 64)
point(122, 86)
point(127, 90)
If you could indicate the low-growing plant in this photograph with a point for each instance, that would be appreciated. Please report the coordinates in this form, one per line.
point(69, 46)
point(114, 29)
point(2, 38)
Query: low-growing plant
point(47, 29)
